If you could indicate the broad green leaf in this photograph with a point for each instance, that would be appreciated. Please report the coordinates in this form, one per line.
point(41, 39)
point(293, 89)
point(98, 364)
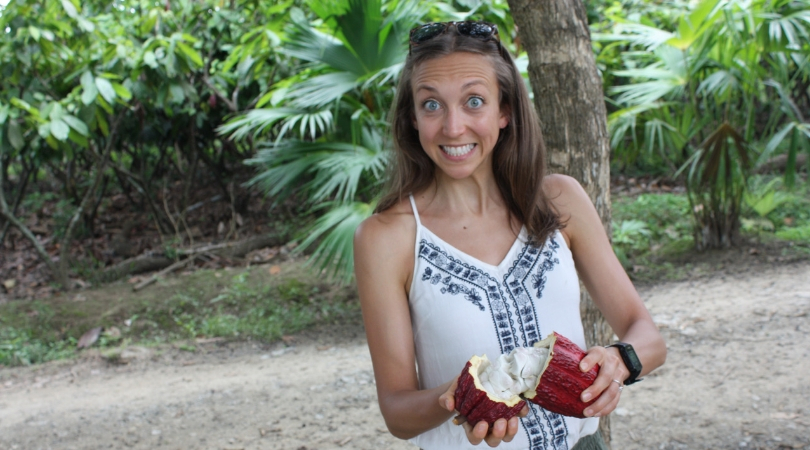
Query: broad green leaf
point(89, 94)
point(149, 59)
point(56, 112)
point(78, 139)
point(34, 31)
point(149, 22)
point(44, 130)
point(190, 54)
point(87, 80)
point(15, 135)
point(177, 93)
point(102, 123)
point(59, 129)
point(106, 89)
point(70, 9)
point(86, 25)
point(265, 98)
point(122, 91)
point(76, 124)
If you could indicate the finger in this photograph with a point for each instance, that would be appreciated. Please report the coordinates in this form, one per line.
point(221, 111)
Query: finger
point(607, 374)
point(524, 412)
point(470, 431)
point(496, 433)
point(480, 431)
point(606, 402)
point(599, 409)
point(592, 358)
point(511, 429)
point(448, 399)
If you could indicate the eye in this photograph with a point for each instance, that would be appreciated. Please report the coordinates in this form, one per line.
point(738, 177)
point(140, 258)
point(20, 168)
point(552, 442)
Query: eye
point(475, 102)
point(431, 105)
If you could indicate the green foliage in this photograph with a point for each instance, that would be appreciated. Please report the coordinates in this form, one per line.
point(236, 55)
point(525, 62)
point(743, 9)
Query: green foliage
point(327, 123)
point(245, 305)
point(244, 310)
point(147, 82)
point(801, 234)
point(708, 89)
point(648, 224)
point(775, 208)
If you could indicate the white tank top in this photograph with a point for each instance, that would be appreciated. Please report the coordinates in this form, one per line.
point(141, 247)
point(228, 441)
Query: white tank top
point(461, 306)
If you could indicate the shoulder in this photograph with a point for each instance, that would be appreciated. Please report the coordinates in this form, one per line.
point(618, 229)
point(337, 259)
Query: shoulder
point(564, 192)
point(566, 196)
point(396, 222)
point(569, 199)
point(385, 241)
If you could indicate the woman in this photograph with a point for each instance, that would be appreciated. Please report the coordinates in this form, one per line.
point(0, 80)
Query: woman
point(474, 250)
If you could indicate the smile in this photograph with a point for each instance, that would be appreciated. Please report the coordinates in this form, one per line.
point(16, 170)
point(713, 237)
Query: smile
point(460, 150)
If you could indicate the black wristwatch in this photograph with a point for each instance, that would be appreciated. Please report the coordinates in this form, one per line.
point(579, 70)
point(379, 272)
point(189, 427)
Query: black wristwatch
point(630, 360)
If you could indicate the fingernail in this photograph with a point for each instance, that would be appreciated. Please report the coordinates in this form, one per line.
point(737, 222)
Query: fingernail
point(583, 366)
point(447, 403)
point(586, 396)
point(589, 412)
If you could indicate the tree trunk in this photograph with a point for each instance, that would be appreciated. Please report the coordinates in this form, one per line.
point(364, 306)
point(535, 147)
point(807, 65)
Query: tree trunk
point(570, 102)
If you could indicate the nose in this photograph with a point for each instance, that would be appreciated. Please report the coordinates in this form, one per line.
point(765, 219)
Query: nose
point(453, 123)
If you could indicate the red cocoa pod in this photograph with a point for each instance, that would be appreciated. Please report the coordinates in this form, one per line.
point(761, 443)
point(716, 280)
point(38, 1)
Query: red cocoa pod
point(475, 404)
point(561, 382)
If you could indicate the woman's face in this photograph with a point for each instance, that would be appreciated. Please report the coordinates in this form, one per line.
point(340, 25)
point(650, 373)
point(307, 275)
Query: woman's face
point(457, 112)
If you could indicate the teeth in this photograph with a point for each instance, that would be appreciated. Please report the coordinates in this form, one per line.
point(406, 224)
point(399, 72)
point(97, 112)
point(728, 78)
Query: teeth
point(457, 151)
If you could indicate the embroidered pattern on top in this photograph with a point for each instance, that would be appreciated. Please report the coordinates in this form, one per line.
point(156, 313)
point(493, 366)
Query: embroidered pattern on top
point(533, 265)
point(545, 430)
point(459, 277)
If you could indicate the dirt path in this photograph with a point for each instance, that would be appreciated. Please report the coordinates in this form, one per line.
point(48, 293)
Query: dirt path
point(736, 377)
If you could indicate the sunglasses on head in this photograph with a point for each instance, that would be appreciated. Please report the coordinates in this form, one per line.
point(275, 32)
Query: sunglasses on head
point(480, 30)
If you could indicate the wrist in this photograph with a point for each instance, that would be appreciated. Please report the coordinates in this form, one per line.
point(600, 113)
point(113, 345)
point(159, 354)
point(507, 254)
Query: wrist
point(631, 361)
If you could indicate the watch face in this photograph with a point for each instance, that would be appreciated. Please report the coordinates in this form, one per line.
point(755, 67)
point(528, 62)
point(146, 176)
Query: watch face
point(632, 357)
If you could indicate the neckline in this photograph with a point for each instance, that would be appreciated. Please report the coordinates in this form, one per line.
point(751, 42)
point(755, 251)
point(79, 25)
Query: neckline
point(507, 259)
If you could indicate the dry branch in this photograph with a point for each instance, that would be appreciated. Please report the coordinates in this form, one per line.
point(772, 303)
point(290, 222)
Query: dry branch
point(152, 262)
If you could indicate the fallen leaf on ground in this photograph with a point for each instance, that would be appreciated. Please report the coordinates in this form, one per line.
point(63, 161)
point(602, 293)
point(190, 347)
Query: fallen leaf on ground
point(89, 338)
point(275, 270)
point(9, 284)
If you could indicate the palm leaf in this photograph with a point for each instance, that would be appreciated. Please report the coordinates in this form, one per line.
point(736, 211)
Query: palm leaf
point(335, 231)
point(256, 122)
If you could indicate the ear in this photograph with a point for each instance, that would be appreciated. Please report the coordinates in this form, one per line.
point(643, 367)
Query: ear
point(504, 118)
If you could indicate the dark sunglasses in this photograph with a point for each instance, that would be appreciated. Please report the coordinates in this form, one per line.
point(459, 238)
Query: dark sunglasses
point(480, 30)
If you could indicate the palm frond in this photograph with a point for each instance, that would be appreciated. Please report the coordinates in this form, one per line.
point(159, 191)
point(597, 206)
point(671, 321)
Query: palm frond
point(256, 121)
point(322, 90)
point(334, 233)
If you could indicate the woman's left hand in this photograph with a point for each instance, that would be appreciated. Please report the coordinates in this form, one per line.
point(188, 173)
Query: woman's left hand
point(608, 385)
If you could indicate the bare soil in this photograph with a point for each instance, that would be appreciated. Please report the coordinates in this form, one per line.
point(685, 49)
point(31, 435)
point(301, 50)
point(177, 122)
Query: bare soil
point(736, 377)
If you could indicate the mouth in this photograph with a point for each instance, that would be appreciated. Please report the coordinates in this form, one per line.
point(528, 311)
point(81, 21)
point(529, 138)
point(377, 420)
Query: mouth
point(457, 150)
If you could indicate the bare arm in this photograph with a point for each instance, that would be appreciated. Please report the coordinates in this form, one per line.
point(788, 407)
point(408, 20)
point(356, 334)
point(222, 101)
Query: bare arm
point(383, 262)
point(611, 290)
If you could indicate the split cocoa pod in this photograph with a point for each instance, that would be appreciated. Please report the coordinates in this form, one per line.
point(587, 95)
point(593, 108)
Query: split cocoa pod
point(546, 374)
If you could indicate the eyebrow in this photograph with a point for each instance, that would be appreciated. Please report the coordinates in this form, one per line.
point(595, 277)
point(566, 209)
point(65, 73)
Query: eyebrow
point(464, 86)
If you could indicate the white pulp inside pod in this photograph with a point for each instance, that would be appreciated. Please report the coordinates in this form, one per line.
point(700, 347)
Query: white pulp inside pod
point(513, 373)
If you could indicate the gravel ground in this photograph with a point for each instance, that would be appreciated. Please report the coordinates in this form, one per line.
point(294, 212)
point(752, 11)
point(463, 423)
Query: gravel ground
point(736, 377)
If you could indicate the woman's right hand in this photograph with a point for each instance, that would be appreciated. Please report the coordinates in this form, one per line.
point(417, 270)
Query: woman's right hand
point(501, 431)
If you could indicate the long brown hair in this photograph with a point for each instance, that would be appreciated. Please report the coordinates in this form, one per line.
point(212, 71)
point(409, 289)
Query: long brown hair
point(519, 156)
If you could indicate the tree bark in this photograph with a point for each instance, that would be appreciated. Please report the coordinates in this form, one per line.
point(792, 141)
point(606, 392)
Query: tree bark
point(570, 103)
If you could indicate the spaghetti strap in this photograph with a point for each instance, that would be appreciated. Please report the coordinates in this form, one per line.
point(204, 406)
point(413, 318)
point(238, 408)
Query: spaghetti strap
point(415, 212)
